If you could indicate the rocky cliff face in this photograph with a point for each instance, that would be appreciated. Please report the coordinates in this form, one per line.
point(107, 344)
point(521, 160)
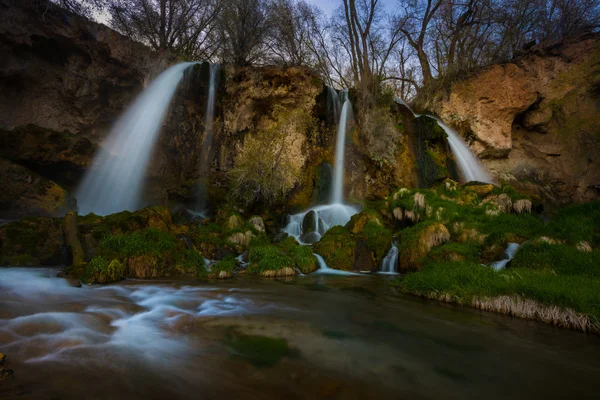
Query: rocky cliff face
point(65, 80)
point(534, 120)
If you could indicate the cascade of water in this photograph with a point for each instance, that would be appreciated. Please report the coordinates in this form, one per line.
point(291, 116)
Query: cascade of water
point(114, 182)
point(208, 137)
point(340, 145)
point(309, 226)
point(507, 256)
point(334, 99)
point(389, 262)
point(324, 268)
point(468, 164)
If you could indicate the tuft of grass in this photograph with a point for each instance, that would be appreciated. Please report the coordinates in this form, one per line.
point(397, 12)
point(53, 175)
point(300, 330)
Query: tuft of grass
point(100, 270)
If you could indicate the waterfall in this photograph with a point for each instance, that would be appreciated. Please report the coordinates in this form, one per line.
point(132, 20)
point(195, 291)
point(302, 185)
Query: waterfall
point(507, 256)
point(114, 182)
point(309, 226)
point(468, 164)
point(340, 146)
point(389, 262)
point(205, 150)
point(334, 99)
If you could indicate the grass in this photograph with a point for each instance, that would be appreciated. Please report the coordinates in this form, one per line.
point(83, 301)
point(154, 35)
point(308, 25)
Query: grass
point(576, 223)
point(558, 258)
point(150, 241)
point(468, 281)
point(227, 264)
point(100, 270)
point(267, 257)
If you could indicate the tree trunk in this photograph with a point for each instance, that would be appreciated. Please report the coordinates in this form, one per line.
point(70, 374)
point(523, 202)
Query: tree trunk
point(163, 24)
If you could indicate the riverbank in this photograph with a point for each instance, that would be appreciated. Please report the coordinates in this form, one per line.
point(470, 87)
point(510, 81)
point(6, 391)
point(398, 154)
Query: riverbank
point(567, 301)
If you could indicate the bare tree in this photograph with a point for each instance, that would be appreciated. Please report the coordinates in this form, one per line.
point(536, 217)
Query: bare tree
point(244, 29)
point(184, 26)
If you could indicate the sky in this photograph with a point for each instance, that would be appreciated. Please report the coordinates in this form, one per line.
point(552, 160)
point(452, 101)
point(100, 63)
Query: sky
point(329, 5)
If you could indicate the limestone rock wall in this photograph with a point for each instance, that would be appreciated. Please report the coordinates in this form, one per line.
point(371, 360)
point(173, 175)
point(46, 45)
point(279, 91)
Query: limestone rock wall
point(534, 121)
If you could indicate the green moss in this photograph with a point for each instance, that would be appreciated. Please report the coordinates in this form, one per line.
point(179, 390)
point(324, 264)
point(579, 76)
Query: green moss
point(24, 260)
point(267, 257)
point(150, 241)
point(261, 351)
point(192, 261)
point(303, 258)
point(379, 239)
point(337, 248)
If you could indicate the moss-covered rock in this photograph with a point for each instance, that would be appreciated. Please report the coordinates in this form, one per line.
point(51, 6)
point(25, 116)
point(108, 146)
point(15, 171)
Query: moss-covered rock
point(32, 241)
point(416, 242)
point(337, 248)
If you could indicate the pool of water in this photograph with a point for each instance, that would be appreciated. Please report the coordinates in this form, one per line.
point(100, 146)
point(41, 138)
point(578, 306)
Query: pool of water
point(330, 337)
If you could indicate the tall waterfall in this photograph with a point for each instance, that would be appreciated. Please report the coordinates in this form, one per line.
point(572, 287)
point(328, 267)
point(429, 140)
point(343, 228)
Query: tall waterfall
point(114, 182)
point(210, 116)
point(209, 119)
point(340, 145)
point(468, 164)
point(310, 225)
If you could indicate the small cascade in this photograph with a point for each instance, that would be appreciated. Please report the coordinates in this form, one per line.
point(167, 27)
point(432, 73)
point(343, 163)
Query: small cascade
point(507, 256)
point(340, 146)
point(468, 164)
point(334, 104)
point(390, 261)
point(324, 268)
point(114, 182)
point(309, 226)
point(205, 150)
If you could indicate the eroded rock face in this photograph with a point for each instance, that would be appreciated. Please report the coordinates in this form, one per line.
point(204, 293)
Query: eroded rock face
point(534, 121)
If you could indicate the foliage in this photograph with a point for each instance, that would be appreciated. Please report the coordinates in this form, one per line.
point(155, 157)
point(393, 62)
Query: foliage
point(100, 270)
point(337, 248)
point(227, 264)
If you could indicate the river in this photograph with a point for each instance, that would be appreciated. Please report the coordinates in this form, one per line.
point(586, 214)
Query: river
point(310, 337)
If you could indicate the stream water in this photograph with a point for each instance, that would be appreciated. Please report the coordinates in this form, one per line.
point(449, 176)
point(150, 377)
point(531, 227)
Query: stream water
point(349, 337)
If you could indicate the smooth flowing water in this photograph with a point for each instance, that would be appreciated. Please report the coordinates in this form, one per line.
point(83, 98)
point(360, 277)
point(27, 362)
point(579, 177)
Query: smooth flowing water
point(206, 149)
point(312, 337)
point(337, 196)
point(507, 256)
point(468, 164)
point(321, 218)
point(115, 181)
point(390, 261)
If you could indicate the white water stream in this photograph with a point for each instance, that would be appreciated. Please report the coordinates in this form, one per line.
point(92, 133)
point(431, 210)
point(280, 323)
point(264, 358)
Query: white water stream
point(114, 182)
point(468, 164)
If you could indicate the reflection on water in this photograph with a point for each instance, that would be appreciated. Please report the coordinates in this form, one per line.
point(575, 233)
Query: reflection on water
point(340, 337)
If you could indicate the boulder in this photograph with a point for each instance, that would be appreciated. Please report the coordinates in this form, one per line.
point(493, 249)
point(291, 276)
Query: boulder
point(258, 224)
point(502, 202)
point(416, 242)
point(234, 222)
point(363, 257)
point(358, 221)
point(310, 222)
